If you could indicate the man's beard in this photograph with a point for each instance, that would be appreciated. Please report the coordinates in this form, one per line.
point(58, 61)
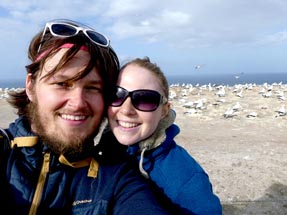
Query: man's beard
point(74, 148)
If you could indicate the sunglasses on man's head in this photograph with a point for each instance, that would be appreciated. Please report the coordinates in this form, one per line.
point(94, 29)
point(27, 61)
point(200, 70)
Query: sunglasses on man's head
point(68, 28)
point(143, 100)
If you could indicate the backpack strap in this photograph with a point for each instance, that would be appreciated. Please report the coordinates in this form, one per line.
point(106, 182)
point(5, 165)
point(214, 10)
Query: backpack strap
point(4, 154)
point(4, 142)
point(24, 141)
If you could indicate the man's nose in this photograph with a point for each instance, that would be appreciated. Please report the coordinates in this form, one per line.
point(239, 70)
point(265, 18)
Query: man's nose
point(77, 98)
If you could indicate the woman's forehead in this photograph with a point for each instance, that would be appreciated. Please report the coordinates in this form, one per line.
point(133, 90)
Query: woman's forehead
point(136, 77)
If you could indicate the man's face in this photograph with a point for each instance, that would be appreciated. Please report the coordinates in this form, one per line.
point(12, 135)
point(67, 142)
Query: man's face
point(66, 114)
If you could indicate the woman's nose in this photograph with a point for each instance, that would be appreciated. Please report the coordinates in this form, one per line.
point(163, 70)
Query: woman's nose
point(127, 107)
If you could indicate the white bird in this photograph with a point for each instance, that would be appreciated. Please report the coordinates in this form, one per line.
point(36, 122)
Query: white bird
point(184, 92)
point(239, 75)
point(229, 113)
point(221, 92)
point(282, 98)
point(269, 88)
point(172, 94)
point(199, 66)
point(221, 100)
point(199, 104)
point(239, 94)
point(236, 107)
point(189, 104)
point(190, 111)
point(252, 115)
point(267, 94)
point(262, 91)
point(209, 87)
point(280, 95)
point(281, 111)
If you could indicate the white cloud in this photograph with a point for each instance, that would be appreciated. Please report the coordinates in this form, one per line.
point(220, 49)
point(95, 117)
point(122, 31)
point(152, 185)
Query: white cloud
point(203, 23)
point(126, 8)
point(209, 22)
point(151, 26)
point(277, 38)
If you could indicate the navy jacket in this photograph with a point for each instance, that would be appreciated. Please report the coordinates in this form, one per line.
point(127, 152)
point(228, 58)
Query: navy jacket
point(116, 189)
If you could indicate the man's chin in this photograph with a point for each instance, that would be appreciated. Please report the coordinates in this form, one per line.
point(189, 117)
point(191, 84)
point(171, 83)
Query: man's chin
point(64, 145)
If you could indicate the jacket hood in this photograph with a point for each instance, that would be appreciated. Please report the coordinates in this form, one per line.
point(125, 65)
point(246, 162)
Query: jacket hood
point(20, 128)
point(159, 135)
point(156, 139)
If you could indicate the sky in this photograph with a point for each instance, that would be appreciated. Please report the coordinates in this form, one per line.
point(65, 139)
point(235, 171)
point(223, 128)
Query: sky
point(182, 36)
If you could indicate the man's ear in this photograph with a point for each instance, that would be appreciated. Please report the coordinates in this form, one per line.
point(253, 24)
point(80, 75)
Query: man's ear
point(30, 86)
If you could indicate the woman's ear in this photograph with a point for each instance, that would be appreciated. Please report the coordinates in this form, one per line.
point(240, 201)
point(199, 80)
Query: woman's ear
point(165, 109)
point(30, 86)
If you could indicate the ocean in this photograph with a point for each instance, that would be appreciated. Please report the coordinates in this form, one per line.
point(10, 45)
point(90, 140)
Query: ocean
point(201, 79)
point(229, 79)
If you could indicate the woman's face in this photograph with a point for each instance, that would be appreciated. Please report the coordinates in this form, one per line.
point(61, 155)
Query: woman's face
point(128, 124)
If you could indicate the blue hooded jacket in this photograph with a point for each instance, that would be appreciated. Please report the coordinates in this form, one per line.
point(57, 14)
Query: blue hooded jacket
point(177, 174)
point(113, 187)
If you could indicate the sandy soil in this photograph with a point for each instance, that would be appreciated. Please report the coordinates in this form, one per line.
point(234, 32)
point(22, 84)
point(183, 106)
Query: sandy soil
point(244, 156)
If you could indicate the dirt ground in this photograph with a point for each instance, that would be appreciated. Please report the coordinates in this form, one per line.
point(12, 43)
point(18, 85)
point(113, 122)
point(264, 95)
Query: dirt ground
point(247, 164)
point(244, 156)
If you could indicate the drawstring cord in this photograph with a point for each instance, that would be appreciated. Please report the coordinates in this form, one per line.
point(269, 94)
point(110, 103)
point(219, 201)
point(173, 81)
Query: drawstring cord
point(143, 172)
point(155, 140)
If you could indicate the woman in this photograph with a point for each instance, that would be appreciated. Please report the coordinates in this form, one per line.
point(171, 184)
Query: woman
point(140, 117)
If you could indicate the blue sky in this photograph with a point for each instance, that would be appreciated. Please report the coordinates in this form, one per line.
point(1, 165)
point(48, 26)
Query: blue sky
point(225, 36)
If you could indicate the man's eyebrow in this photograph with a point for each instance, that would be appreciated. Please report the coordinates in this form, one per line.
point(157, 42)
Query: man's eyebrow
point(97, 81)
point(64, 77)
point(60, 76)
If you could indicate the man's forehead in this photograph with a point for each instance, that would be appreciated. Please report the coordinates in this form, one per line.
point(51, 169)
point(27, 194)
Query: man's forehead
point(75, 65)
point(54, 60)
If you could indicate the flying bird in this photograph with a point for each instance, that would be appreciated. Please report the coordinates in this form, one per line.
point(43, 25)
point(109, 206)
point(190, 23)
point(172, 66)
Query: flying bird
point(199, 66)
point(239, 75)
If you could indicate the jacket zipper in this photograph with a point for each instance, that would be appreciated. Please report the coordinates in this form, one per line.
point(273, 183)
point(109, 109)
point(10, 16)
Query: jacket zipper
point(40, 184)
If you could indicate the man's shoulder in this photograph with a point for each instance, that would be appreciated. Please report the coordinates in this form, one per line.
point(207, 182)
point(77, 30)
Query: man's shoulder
point(4, 148)
point(4, 141)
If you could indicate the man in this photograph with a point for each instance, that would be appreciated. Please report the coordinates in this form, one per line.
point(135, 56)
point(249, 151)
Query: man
point(52, 164)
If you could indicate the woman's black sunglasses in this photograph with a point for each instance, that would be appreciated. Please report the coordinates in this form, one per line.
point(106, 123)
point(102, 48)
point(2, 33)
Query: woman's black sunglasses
point(143, 100)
